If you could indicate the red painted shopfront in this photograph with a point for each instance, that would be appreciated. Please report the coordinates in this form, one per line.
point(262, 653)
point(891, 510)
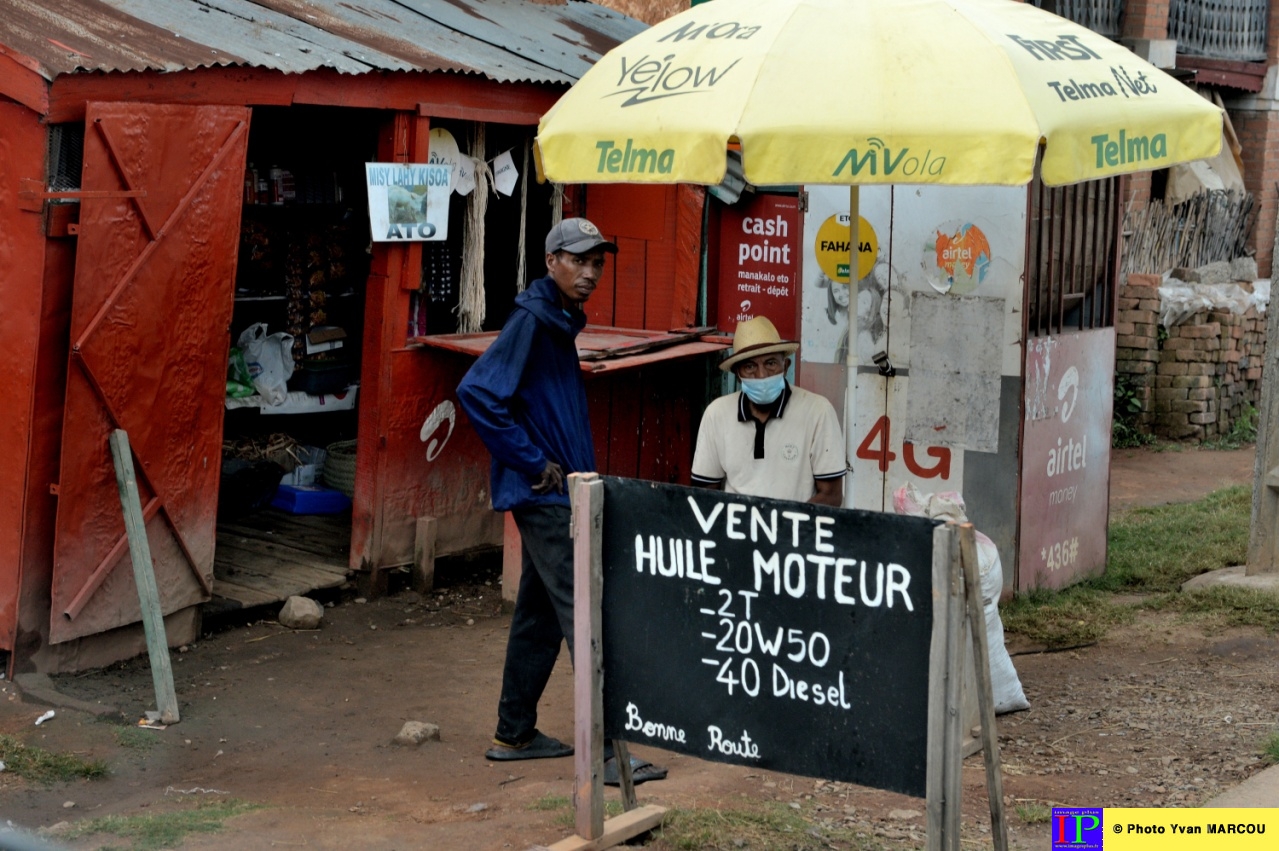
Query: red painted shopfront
point(119, 294)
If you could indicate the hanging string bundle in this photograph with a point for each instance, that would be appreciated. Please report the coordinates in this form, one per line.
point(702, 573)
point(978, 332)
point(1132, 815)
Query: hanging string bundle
point(470, 306)
point(521, 265)
point(557, 203)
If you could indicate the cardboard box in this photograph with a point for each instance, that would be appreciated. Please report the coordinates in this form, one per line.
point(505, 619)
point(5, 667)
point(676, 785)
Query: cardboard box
point(324, 338)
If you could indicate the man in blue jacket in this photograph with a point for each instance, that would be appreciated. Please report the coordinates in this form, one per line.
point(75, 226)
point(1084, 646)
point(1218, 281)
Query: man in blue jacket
point(527, 401)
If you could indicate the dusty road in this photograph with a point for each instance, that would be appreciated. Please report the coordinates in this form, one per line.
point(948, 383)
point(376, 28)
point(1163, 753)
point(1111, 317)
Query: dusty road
point(301, 722)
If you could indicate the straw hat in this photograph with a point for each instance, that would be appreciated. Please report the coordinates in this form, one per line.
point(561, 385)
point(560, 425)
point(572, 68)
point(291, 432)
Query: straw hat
point(756, 337)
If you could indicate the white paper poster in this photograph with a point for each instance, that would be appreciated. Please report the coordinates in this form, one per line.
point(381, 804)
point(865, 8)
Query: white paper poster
point(408, 202)
point(505, 175)
point(444, 151)
point(465, 184)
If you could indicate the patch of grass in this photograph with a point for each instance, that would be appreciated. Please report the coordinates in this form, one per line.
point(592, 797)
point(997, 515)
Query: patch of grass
point(1066, 618)
point(1243, 431)
point(1270, 749)
point(1034, 813)
point(551, 802)
point(1223, 606)
point(568, 818)
point(771, 826)
point(135, 738)
point(164, 830)
point(1157, 549)
point(42, 766)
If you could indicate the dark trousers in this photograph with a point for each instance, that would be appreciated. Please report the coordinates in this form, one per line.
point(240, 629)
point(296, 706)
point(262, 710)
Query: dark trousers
point(543, 618)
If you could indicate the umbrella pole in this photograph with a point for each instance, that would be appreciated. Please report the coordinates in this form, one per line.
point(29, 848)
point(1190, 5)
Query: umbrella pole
point(850, 356)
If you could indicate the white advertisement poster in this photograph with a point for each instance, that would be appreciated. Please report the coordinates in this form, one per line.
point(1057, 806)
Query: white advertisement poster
point(409, 202)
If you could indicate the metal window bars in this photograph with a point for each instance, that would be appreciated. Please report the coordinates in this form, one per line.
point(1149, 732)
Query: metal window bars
point(1072, 255)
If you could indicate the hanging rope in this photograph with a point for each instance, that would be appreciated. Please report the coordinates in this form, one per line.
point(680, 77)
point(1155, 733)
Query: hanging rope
point(521, 267)
point(557, 203)
point(470, 306)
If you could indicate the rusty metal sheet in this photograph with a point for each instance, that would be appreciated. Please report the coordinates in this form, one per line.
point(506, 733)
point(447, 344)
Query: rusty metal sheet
point(1065, 488)
point(505, 40)
point(150, 306)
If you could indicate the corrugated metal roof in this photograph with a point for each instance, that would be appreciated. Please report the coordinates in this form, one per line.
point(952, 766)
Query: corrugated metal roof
point(505, 40)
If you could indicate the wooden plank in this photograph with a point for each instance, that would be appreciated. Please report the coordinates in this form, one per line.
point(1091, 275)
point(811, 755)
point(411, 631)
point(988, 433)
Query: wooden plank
point(985, 694)
point(427, 93)
point(587, 495)
point(630, 294)
point(616, 830)
point(424, 555)
point(243, 594)
point(329, 549)
point(266, 555)
point(289, 544)
point(144, 576)
point(245, 564)
point(265, 589)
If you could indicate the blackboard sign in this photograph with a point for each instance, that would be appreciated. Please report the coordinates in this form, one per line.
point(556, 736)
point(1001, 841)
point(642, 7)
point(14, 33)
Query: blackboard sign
point(782, 635)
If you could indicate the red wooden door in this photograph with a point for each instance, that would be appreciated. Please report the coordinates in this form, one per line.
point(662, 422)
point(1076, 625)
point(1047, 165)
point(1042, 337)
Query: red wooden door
point(151, 306)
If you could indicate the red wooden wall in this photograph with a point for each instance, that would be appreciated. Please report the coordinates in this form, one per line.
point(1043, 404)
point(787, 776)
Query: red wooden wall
point(22, 149)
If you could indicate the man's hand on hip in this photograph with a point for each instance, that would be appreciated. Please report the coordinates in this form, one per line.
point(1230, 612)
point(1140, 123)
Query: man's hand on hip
point(552, 479)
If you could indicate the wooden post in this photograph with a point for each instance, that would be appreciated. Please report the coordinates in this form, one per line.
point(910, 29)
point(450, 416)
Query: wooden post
point(952, 781)
point(587, 494)
point(622, 754)
point(586, 490)
point(1263, 542)
point(144, 577)
point(985, 694)
point(424, 555)
point(935, 797)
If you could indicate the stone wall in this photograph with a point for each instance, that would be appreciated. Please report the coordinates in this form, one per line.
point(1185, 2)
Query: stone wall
point(1194, 380)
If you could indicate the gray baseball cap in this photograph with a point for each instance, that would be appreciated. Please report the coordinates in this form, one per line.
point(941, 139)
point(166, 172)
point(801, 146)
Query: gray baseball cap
point(576, 236)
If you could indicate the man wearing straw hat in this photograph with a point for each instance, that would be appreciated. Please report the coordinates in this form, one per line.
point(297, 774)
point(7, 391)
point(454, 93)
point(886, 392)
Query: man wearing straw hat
point(770, 439)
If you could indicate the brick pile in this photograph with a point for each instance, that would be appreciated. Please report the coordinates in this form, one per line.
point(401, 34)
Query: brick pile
point(1195, 382)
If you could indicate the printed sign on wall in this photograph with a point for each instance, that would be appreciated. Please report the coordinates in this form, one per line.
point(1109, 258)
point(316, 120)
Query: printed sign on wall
point(409, 202)
point(759, 263)
point(1066, 457)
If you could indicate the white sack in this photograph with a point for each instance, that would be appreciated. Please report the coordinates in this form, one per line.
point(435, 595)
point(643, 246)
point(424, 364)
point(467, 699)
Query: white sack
point(949, 505)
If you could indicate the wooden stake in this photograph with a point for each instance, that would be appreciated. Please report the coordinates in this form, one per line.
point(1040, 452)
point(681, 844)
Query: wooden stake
point(587, 494)
point(586, 490)
point(985, 694)
point(166, 699)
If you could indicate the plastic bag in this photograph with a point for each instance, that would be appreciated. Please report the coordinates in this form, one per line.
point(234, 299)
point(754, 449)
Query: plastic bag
point(269, 358)
point(239, 383)
point(1005, 686)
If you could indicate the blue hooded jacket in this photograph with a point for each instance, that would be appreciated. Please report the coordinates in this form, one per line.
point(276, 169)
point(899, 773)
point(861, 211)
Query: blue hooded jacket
point(527, 401)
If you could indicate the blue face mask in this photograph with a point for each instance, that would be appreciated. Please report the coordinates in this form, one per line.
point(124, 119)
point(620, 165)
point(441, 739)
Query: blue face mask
point(764, 391)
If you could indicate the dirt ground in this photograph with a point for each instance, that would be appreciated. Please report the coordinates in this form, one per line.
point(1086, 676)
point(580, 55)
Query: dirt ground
point(1157, 714)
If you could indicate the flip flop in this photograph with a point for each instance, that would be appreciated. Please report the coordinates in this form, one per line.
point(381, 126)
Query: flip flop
point(641, 771)
point(541, 746)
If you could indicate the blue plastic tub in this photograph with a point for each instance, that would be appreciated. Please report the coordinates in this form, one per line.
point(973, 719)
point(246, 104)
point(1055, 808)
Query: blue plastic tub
point(310, 499)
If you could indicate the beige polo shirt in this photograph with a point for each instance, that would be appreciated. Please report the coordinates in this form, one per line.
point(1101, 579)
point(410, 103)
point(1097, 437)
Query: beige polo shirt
point(800, 442)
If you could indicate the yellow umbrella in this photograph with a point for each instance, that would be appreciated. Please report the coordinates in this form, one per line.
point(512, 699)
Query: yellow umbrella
point(871, 91)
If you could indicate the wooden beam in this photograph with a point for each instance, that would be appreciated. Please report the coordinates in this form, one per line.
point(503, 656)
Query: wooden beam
point(616, 830)
point(23, 84)
point(427, 93)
